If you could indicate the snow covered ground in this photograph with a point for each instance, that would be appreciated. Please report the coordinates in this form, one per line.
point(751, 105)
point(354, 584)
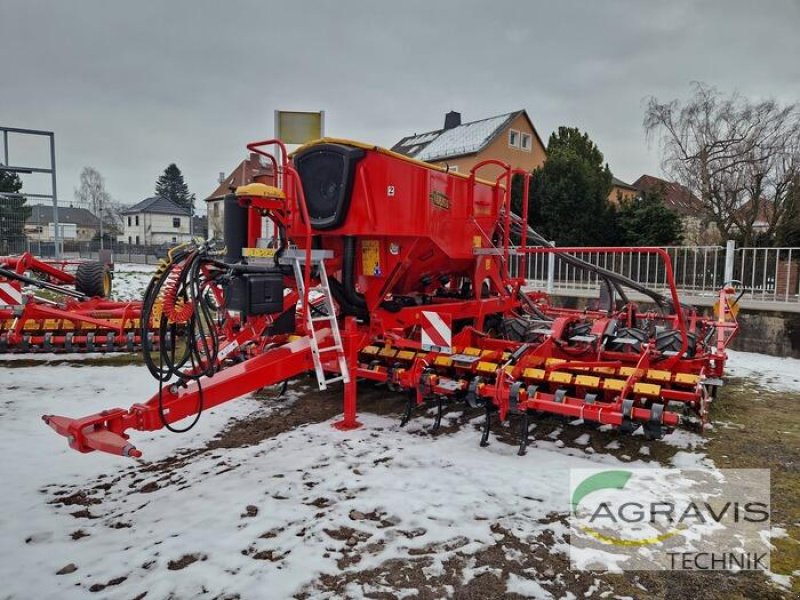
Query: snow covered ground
point(774, 373)
point(130, 280)
point(268, 520)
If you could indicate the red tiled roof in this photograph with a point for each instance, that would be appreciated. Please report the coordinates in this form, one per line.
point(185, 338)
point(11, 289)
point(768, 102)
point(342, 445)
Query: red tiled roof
point(676, 196)
point(249, 170)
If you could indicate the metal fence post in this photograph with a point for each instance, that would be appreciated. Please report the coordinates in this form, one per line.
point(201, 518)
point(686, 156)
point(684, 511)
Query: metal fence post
point(730, 253)
point(551, 268)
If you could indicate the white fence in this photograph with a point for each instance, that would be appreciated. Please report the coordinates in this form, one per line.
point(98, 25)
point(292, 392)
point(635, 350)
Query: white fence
point(764, 274)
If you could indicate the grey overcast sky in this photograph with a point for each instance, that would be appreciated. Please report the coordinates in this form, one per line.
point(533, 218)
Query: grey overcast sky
point(130, 86)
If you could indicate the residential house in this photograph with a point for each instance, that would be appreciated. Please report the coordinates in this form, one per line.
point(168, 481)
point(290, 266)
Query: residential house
point(510, 137)
point(74, 224)
point(621, 191)
point(155, 221)
point(697, 228)
point(250, 170)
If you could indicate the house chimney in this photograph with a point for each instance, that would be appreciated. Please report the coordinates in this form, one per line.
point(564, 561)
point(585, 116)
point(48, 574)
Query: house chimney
point(452, 119)
point(221, 177)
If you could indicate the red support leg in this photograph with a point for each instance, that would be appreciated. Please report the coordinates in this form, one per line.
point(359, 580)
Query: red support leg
point(350, 340)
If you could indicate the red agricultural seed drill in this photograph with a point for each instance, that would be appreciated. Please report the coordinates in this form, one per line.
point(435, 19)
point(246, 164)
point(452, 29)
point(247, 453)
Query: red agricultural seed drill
point(397, 271)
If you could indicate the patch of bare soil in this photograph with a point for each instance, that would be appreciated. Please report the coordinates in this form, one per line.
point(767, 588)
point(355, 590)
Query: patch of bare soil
point(184, 561)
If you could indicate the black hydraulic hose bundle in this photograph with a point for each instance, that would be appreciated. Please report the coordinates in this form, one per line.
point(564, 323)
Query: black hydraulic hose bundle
point(179, 283)
point(610, 278)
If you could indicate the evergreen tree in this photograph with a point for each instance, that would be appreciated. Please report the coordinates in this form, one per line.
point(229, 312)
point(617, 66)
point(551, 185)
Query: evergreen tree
point(569, 193)
point(13, 214)
point(646, 221)
point(170, 185)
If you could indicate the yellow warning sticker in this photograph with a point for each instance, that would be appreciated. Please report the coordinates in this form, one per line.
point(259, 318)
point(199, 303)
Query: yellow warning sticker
point(371, 258)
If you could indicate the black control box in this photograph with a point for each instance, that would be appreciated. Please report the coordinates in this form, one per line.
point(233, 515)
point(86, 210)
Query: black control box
point(255, 293)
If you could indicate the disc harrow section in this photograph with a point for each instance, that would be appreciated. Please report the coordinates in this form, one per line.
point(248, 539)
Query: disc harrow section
point(44, 307)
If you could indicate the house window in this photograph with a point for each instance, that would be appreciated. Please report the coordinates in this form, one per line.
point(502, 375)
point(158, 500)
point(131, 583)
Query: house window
point(137, 237)
point(513, 138)
point(137, 223)
point(176, 223)
point(129, 237)
point(129, 221)
point(216, 209)
point(174, 239)
point(525, 141)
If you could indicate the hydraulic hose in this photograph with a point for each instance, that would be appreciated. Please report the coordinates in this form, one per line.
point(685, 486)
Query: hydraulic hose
point(610, 277)
point(178, 302)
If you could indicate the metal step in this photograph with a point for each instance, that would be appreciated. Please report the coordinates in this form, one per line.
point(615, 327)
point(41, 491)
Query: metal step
point(325, 318)
point(329, 348)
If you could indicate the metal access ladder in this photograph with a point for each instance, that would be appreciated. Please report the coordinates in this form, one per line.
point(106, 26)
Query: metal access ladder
point(297, 258)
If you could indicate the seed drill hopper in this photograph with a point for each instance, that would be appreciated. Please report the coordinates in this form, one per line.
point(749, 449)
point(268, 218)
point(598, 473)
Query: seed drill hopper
point(63, 306)
point(387, 269)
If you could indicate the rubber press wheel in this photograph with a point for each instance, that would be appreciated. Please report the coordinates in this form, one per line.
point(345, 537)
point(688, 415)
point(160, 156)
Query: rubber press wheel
point(93, 279)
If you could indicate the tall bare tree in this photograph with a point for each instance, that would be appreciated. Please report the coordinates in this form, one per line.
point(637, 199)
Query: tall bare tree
point(738, 156)
point(92, 194)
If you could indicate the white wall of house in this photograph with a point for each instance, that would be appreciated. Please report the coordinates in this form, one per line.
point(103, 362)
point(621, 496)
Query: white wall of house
point(45, 232)
point(154, 229)
point(216, 218)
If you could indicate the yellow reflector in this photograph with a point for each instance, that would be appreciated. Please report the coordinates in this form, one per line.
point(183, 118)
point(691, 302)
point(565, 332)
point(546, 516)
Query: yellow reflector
point(472, 351)
point(587, 381)
point(371, 350)
point(686, 378)
point(627, 371)
point(537, 374)
point(613, 384)
point(657, 375)
point(647, 389)
point(559, 377)
point(443, 361)
point(388, 352)
point(406, 355)
point(486, 367)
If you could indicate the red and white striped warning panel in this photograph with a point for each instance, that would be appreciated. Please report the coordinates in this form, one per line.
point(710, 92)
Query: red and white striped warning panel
point(10, 295)
point(437, 331)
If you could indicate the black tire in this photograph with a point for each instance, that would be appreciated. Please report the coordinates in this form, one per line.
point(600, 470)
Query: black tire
point(93, 279)
point(639, 336)
point(670, 340)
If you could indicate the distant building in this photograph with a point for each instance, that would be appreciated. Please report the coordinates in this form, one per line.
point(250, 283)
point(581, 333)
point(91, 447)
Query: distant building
point(74, 224)
point(510, 137)
point(250, 170)
point(621, 191)
point(698, 230)
point(155, 221)
point(200, 226)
